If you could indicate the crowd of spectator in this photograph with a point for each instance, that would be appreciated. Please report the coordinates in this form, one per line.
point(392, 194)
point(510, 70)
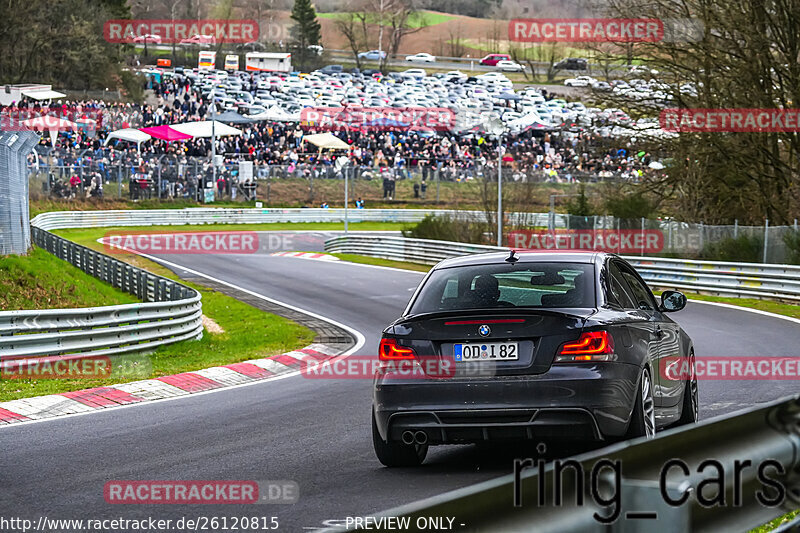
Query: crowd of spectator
point(277, 150)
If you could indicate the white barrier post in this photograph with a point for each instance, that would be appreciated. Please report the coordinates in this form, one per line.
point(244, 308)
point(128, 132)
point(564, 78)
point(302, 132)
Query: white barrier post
point(345, 199)
point(642, 236)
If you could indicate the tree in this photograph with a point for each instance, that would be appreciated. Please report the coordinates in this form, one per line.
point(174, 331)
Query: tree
point(580, 205)
point(306, 31)
point(59, 42)
point(744, 55)
point(395, 14)
point(353, 25)
point(457, 42)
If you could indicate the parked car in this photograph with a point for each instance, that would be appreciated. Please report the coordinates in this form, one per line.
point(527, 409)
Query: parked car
point(638, 70)
point(148, 38)
point(601, 86)
point(199, 39)
point(416, 73)
point(572, 63)
point(492, 59)
point(564, 346)
point(253, 46)
point(509, 66)
point(422, 57)
point(579, 81)
point(455, 75)
point(372, 55)
point(331, 69)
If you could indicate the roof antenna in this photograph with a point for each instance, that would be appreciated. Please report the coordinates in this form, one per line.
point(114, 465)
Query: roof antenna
point(512, 258)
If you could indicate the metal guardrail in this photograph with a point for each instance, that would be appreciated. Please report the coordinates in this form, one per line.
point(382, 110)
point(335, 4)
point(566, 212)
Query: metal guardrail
point(93, 219)
point(739, 280)
point(625, 480)
point(423, 251)
point(742, 280)
point(192, 216)
point(170, 312)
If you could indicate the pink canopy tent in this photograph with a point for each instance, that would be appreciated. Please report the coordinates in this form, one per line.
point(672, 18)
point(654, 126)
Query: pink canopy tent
point(165, 133)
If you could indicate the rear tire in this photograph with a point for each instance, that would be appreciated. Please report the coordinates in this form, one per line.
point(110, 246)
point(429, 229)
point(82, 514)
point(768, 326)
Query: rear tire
point(643, 422)
point(396, 454)
point(689, 407)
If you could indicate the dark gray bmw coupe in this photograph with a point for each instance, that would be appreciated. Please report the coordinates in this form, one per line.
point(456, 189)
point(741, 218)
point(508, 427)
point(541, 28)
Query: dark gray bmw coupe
point(537, 346)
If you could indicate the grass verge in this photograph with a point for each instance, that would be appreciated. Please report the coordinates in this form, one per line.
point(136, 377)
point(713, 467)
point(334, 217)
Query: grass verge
point(365, 260)
point(752, 303)
point(88, 237)
point(418, 19)
point(770, 526)
point(40, 280)
point(295, 192)
point(249, 333)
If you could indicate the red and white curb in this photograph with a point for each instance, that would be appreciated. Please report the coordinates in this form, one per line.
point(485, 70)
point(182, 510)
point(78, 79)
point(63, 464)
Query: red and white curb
point(307, 255)
point(82, 401)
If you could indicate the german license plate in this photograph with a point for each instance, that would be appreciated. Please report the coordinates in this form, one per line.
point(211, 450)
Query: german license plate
point(486, 351)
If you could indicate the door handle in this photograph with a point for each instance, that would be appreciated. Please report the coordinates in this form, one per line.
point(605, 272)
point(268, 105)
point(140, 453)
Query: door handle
point(659, 331)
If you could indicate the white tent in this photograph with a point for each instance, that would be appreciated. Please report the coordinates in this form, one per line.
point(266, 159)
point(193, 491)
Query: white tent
point(326, 140)
point(128, 134)
point(43, 94)
point(203, 129)
point(524, 121)
point(277, 114)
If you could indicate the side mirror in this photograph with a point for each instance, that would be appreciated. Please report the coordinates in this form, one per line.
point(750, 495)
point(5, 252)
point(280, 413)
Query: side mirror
point(672, 301)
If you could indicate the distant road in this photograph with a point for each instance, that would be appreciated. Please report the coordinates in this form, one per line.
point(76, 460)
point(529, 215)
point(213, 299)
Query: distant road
point(313, 431)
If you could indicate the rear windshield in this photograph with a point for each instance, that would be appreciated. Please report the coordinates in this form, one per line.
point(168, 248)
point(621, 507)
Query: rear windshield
point(528, 285)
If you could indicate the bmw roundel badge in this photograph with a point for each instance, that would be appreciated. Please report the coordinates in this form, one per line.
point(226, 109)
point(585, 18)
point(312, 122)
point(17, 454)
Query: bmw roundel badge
point(484, 330)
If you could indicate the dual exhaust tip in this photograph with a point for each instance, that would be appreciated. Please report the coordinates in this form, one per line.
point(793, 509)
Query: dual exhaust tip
point(411, 437)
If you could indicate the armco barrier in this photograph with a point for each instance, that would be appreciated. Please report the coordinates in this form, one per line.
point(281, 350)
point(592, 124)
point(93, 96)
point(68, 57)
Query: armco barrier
point(763, 442)
point(742, 280)
point(170, 312)
point(171, 217)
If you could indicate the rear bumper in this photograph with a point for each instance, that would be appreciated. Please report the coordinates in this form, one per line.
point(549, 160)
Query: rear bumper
point(569, 402)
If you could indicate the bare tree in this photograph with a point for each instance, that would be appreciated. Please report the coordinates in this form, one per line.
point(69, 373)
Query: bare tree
point(741, 55)
point(353, 25)
point(456, 41)
point(398, 13)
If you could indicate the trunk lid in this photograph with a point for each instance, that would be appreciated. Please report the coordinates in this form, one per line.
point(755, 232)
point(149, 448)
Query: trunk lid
point(536, 333)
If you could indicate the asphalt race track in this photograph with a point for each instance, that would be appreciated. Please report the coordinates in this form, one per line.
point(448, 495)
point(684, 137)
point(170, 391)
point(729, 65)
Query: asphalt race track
point(315, 432)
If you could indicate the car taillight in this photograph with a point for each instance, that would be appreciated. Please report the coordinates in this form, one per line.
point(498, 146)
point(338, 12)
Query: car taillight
point(389, 350)
point(591, 346)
